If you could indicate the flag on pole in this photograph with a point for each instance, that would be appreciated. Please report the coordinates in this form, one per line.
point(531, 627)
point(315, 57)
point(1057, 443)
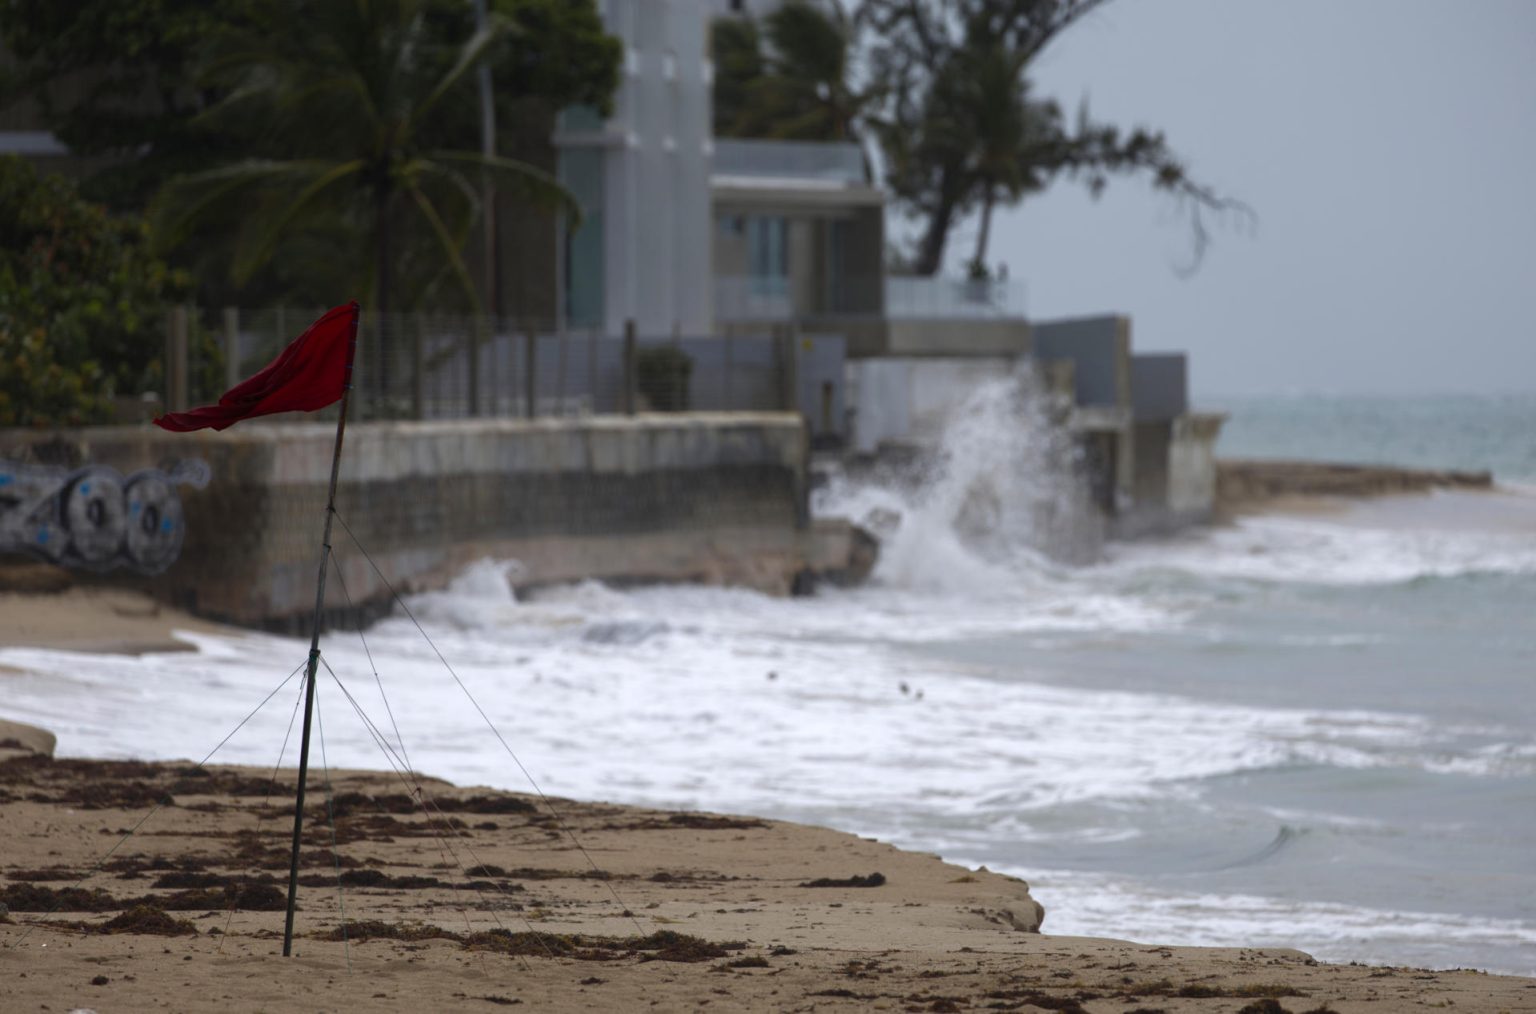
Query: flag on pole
point(308, 375)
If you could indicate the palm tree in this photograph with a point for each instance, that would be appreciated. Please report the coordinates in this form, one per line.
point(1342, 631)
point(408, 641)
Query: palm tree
point(810, 79)
point(343, 99)
point(956, 76)
point(981, 110)
point(801, 88)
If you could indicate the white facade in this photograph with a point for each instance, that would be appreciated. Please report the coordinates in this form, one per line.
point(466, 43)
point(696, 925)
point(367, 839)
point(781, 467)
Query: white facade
point(642, 252)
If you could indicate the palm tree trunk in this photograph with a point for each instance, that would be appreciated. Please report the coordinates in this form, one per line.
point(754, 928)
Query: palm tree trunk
point(930, 251)
point(979, 261)
point(381, 284)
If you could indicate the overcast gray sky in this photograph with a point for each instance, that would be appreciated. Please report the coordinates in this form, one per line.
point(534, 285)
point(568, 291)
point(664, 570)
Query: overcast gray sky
point(1389, 149)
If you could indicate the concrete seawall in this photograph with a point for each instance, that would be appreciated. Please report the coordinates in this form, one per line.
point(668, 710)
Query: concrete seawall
point(713, 498)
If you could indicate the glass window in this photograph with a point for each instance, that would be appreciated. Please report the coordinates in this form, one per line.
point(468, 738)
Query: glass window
point(581, 170)
point(580, 119)
point(767, 253)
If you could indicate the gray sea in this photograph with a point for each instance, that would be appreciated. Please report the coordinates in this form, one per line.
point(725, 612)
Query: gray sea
point(1493, 432)
point(1314, 730)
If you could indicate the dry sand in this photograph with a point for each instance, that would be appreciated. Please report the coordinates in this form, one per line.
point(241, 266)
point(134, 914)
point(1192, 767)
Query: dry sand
point(480, 899)
point(90, 618)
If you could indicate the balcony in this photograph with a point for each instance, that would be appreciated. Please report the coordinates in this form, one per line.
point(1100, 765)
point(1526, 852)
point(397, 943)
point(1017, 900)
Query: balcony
point(910, 297)
point(811, 163)
point(778, 298)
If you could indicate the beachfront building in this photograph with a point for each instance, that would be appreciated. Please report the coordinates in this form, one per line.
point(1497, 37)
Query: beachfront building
point(641, 177)
point(683, 233)
point(791, 237)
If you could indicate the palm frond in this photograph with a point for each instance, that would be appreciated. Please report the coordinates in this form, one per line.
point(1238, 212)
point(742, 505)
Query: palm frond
point(450, 245)
point(185, 199)
point(250, 258)
point(470, 54)
point(528, 179)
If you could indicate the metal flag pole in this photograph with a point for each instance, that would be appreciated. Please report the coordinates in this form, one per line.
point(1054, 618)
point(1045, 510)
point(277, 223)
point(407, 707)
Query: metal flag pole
point(314, 643)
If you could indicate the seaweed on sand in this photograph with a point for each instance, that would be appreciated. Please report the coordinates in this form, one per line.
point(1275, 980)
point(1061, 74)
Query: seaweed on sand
point(146, 919)
point(663, 945)
point(873, 880)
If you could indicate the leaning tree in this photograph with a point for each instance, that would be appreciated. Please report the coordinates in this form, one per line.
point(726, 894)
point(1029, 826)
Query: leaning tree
point(941, 88)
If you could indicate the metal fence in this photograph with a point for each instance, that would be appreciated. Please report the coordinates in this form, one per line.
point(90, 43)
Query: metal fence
point(426, 366)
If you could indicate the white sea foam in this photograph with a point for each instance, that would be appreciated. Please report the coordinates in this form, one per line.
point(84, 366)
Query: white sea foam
point(716, 699)
point(1386, 542)
point(997, 496)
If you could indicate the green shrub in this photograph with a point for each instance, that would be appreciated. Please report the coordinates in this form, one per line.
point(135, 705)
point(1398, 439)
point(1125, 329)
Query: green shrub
point(82, 303)
point(663, 374)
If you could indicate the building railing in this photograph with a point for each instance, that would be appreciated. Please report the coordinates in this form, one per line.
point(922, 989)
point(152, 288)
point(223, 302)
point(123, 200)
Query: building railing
point(773, 298)
point(836, 161)
point(938, 297)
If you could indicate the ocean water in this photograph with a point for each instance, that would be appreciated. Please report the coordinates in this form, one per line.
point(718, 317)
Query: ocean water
point(1315, 730)
point(1493, 432)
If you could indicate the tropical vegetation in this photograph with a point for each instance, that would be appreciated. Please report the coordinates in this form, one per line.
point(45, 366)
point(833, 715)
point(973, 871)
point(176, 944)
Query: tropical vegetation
point(281, 151)
point(290, 149)
point(82, 303)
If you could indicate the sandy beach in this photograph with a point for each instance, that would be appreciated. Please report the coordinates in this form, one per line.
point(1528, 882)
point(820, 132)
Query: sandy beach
point(421, 895)
point(463, 898)
point(86, 618)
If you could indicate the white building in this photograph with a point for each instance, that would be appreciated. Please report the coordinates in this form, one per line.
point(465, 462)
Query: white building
point(642, 252)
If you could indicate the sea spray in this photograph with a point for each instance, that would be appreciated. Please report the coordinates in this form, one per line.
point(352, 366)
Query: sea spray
point(998, 491)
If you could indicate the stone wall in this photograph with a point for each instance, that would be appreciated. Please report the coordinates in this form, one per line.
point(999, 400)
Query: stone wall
point(715, 498)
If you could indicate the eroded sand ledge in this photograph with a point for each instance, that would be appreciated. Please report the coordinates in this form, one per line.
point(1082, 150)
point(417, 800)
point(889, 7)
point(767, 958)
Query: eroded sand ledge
point(1247, 485)
point(532, 923)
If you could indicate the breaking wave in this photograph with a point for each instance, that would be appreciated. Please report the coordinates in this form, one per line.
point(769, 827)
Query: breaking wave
point(998, 496)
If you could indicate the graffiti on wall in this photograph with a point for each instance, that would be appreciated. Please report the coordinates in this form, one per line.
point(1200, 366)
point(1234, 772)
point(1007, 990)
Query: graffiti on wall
point(94, 518)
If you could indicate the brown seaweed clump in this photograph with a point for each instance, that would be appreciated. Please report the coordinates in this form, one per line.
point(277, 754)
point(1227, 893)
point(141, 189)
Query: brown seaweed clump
point(873, 880)
point(147, 919)
point(373, 929)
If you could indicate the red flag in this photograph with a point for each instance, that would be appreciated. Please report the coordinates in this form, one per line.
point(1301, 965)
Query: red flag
point(309, 374)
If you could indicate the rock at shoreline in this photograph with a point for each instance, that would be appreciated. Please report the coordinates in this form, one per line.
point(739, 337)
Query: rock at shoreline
point(19, 739)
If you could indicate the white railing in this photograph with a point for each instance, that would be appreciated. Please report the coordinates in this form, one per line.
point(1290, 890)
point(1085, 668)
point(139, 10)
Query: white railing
point(814, 160)
point(750, 297)
point(910, 297)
